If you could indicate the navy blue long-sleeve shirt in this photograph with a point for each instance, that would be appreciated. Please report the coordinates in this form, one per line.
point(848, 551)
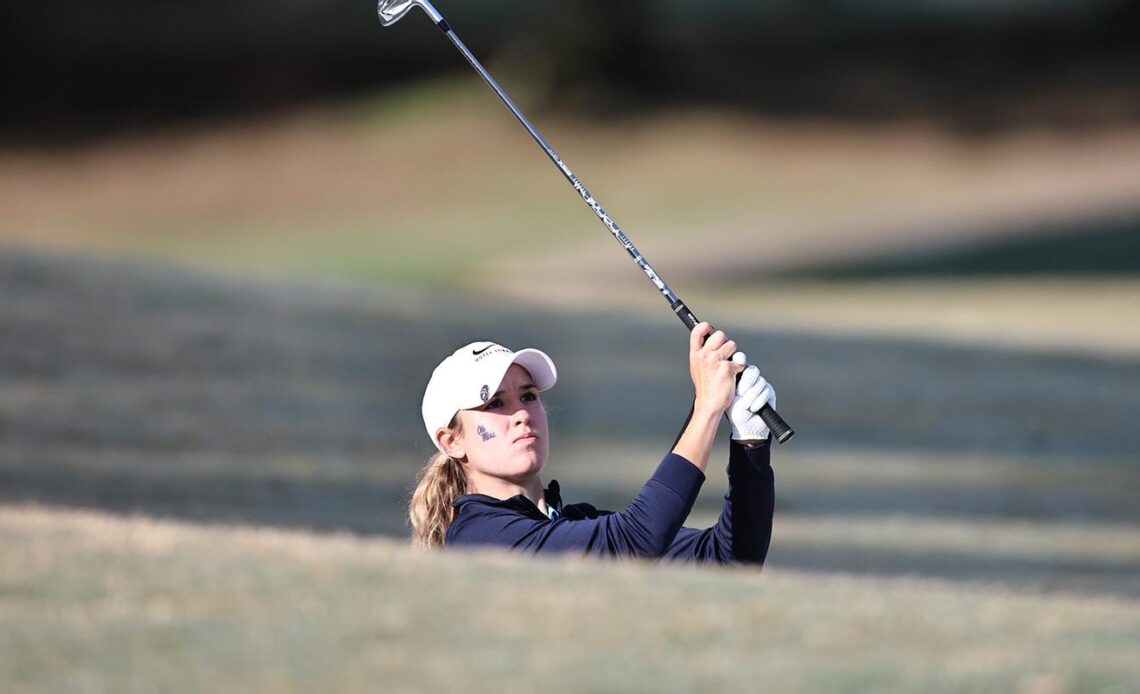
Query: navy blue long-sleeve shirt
point(650, 527)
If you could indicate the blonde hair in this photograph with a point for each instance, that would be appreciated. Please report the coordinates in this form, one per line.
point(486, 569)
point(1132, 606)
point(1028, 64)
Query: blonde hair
point(441, 482)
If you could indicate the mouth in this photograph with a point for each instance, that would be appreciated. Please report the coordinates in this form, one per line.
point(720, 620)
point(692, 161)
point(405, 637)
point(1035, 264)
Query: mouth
point(527, 438)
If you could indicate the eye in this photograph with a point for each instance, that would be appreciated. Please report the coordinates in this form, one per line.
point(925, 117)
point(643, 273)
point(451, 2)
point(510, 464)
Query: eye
point(530, 396)
point(493, 404)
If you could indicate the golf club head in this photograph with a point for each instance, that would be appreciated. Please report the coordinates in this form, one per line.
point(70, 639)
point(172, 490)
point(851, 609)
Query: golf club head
point(392, 11)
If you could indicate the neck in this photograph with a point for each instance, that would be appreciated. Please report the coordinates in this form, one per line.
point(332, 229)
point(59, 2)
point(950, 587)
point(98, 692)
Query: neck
point(500, 488)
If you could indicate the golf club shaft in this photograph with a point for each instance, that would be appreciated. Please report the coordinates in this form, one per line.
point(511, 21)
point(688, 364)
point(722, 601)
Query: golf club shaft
point(779, 428)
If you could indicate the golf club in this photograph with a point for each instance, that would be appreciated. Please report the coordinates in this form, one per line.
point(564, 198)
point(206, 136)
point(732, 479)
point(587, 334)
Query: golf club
point(391, 11)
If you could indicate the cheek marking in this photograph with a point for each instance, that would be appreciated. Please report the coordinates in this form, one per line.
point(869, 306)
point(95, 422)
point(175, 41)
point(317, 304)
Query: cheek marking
point(484, 434)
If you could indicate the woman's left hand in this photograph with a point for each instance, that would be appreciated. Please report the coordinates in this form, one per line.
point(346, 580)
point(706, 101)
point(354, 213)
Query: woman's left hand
point(753, 392)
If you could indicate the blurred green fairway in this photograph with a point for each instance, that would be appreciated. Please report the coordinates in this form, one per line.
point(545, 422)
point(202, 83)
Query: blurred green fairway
point(229, 328)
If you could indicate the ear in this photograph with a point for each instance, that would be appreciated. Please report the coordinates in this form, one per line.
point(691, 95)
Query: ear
point(450, 443)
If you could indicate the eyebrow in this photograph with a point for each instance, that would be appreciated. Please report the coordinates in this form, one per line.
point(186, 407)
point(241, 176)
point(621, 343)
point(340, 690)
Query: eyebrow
point(525, 386)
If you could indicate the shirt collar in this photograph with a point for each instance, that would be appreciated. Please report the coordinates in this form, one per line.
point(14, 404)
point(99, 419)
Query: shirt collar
point(551, 495)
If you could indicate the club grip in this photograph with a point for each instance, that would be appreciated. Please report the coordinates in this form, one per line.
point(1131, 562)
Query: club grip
point(776, 424)
point(780, 429)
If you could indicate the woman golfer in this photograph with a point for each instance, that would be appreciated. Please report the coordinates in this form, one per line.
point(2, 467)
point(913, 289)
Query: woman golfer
point(484, 487)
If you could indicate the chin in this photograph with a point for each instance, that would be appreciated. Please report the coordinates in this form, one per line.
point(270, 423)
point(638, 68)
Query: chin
point(530, 465)
point(535, 465)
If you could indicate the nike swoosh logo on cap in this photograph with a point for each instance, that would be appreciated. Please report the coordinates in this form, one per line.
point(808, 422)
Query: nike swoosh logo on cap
point(480, 351)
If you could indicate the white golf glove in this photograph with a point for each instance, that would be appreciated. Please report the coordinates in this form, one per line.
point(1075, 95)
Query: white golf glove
point(752, 393)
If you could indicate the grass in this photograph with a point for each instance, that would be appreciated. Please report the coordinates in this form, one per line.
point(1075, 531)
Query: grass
point(296, 611)
point(435, 160)
point(956, 514)
point(434, 187)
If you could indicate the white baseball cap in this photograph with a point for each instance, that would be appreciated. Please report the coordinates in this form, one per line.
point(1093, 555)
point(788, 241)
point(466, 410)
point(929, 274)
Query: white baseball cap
point(472, 374)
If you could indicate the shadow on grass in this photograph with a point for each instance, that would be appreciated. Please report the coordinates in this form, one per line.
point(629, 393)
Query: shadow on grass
point(1116, 577)
point(1099, 247)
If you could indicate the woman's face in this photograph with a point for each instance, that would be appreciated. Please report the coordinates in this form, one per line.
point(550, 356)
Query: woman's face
point(506, 439)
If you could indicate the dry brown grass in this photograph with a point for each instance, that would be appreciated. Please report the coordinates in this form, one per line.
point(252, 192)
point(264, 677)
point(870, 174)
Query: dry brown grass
point(100, 603)
point(440, 159)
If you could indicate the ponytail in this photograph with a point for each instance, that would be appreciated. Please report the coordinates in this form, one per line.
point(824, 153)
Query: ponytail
point(441, 482)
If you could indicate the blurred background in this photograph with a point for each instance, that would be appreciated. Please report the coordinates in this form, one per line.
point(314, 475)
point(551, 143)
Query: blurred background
point(236, 238)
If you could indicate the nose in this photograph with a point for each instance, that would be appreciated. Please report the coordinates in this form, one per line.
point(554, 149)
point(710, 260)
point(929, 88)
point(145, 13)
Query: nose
point(522, 416)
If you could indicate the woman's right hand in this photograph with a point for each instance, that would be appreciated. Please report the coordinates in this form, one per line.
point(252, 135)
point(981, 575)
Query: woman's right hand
point(712, 369)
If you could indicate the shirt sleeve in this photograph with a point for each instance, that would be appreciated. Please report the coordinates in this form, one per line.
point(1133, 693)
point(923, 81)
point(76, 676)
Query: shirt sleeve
point(646, 528)
point(743, 532)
